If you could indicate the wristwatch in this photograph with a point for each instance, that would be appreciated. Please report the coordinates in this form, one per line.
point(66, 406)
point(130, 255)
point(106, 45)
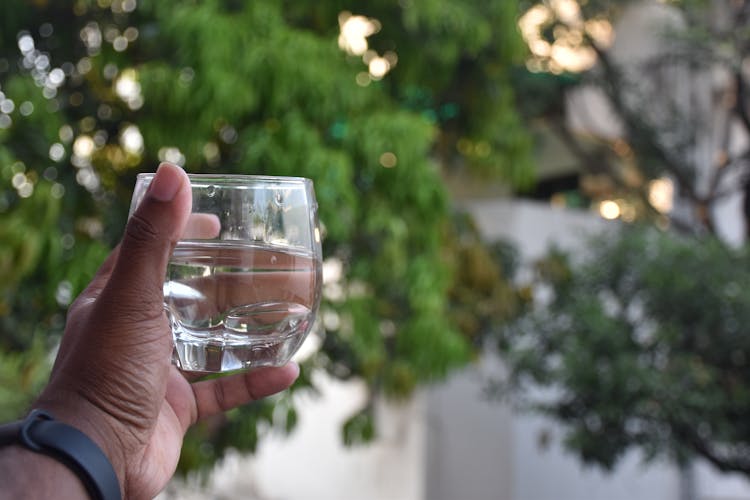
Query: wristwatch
point(40, 432)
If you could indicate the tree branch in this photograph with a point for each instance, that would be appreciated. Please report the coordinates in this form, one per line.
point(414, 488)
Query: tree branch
point(590, 162)
point(704, 449)
point(595, 163)
point(741, 95)
point(638, 130)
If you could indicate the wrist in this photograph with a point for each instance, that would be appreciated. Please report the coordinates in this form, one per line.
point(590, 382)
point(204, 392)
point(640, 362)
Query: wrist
point(42, 434)
point(26, 474)
point(93, 423)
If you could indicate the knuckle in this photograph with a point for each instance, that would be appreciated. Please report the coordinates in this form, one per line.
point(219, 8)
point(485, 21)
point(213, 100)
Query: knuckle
point(142, 230)
point(141, 307)
point(221, 397)
point(151, 314)
point(78, 305)
point(145, 313)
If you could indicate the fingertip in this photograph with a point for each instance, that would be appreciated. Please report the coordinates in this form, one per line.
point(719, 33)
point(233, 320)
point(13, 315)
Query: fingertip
point(167, 182)
point(202, 226)
point(280, 377)
point(171, 185)
point(294, 369)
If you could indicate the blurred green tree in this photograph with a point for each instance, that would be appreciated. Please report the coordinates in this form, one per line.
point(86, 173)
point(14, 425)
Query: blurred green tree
point(644, 342)
point(644, 336)
point(95, 91)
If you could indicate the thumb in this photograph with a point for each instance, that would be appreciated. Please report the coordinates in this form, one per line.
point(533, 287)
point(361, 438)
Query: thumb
point(150, 235)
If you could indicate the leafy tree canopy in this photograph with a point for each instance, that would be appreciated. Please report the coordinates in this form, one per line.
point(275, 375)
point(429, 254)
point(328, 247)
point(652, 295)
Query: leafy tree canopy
point(94, 92)
point(644, 341)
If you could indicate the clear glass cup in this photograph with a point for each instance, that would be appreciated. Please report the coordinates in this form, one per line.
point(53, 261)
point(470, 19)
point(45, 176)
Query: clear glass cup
point(243, 285)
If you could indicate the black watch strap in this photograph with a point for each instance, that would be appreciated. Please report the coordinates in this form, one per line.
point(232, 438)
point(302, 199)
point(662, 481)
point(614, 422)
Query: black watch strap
point(40, 432)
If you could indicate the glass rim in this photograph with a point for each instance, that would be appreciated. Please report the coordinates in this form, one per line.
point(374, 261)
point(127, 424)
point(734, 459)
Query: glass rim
point(235, 179)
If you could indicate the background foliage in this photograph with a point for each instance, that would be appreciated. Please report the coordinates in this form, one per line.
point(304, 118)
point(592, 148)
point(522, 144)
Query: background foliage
point(94, 92)
point(644, 338)
point(645, 345)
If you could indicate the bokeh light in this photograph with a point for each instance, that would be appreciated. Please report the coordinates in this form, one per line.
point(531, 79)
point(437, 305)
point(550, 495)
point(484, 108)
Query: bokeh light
point(84, 146)
point(609, 209)
point(172, 155)
point(128, 89)
point(56, 152)
point(569, 49)
point(131, 140)
point(354, 31)
point(661, 194)
point(388, 159)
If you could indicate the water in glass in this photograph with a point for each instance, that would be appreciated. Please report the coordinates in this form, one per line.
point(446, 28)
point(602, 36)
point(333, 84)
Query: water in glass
point(239, 305)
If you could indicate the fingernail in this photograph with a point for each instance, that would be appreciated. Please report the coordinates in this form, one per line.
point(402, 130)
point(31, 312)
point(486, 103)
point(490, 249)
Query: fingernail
point(166, 182)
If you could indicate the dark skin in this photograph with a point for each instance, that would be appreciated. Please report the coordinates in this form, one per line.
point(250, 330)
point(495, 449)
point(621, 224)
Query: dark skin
point(113, 378)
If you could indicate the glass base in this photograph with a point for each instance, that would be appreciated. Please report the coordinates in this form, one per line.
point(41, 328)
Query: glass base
point(214, 357)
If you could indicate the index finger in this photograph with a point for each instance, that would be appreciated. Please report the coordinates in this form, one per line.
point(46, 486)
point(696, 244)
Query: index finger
point(218, 395)
point(202, 226)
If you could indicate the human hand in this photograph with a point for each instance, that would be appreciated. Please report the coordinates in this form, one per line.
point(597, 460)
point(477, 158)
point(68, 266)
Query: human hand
point(113, 378)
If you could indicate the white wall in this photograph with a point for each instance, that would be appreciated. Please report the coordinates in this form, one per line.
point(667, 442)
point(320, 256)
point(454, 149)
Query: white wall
point(533, 227)
point(470, 440)
point(313, 464)
point(550, 473)
point(528, 470)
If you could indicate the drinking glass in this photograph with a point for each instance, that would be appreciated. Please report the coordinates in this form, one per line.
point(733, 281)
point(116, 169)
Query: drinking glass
point(243, 285)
